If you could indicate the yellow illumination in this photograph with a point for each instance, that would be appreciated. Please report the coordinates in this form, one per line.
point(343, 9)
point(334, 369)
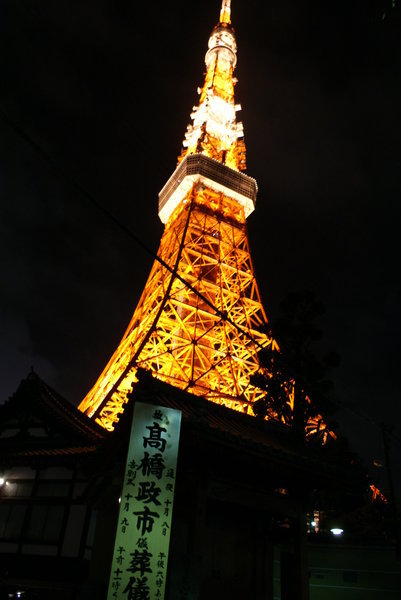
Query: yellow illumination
point(199, 323)
point(377, 494)
point(214, 130)
point(225, 12)
point(178, 336)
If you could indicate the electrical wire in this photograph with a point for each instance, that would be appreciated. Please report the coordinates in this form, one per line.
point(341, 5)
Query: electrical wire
point(106, 212)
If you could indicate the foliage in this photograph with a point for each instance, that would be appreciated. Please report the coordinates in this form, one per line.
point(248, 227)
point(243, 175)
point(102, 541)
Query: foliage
point(295, 379)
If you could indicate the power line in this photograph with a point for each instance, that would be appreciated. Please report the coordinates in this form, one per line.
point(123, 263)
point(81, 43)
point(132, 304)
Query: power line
point(363, 415)
point(91, 199)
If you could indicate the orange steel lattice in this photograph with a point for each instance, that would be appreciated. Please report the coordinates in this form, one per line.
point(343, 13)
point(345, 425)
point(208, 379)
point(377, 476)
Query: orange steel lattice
point(176, 333)
point(202, 337)
point(200, 322)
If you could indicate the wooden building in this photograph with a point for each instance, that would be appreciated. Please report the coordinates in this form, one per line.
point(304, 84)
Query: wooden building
point(243, 489)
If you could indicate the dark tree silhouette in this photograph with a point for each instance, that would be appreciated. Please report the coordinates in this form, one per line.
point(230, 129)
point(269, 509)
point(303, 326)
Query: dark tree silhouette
point(295, 379)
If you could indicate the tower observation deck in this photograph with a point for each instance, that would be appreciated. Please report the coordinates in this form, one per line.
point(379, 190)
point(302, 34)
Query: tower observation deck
point(199, 323)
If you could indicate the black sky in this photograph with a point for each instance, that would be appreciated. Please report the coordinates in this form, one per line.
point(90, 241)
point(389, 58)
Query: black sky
point(105, 88)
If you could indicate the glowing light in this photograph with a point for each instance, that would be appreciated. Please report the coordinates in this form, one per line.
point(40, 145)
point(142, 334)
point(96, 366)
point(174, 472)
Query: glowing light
point(200, 323)
point(2, 481)
point(208, 173)
point(179, 337)
point(337, 531)
point(377, 494)
point(225, 12)
point(214, 130)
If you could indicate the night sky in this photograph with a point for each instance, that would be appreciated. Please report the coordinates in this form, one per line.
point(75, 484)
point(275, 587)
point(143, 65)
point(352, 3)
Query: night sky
point(105, 88)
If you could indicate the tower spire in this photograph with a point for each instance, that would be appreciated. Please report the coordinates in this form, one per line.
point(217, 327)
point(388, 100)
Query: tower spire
point(225, 12)
point(214, 130)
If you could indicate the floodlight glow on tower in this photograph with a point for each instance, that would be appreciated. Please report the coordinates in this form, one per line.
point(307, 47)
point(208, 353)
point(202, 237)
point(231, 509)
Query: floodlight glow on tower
point(200, 322)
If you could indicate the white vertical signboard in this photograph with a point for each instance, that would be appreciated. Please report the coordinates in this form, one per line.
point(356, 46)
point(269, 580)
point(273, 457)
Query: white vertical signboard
point(139, 564)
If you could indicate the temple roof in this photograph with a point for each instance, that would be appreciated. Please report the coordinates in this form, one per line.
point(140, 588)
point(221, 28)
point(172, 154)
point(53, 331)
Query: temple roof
point(270, 442)
point(37, 422)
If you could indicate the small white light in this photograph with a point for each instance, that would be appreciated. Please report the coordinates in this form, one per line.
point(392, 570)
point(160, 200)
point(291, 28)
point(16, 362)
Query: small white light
point(313, 523)
point(2, 481)
point(119, 500)
point(337, 531)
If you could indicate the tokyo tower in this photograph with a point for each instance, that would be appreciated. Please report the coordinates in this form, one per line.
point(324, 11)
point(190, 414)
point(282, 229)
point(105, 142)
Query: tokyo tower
point(199, 323)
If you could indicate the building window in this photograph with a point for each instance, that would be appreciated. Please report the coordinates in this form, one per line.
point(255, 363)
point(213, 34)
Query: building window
point(45, 524)
point(55, 489)
point(11, 521)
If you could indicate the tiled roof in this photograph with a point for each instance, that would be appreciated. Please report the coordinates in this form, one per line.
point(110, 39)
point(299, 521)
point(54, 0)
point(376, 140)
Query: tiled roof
point(35, 396)
point(66, 411)
point(267, 438)
point(83, 438)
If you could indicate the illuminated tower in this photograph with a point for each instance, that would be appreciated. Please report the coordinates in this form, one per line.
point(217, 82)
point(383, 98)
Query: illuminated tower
point(200, 322)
